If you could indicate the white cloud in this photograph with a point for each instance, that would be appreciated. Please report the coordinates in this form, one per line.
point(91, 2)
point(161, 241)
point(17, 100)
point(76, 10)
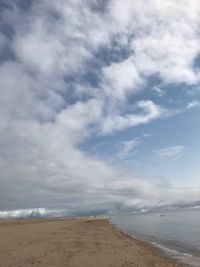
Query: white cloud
point(170, 56)
point(59, 37)
point(128, 147)
point(170, 152)
point(165, 36)
point(193, 104)
point(120, 79)
point(149, 112)
point(159, 92)
point(27, 213)
point(146, 135)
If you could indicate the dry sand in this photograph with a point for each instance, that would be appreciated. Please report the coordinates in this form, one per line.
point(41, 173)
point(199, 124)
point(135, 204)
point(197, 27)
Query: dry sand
point(77, 242)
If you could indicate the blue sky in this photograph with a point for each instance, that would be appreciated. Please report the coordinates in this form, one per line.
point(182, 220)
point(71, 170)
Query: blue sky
point(99, 104)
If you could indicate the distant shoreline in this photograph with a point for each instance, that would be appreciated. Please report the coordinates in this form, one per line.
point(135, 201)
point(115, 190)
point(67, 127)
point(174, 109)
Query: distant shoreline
point(75, 242)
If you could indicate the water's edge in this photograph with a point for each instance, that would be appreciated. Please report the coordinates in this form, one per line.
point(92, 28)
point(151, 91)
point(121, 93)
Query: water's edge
point(184, 258)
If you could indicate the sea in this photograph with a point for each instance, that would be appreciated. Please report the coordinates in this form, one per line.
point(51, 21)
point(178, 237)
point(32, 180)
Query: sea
point(177, 233)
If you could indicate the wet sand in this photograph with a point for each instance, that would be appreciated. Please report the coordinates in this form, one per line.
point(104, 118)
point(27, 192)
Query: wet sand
point(75, 242)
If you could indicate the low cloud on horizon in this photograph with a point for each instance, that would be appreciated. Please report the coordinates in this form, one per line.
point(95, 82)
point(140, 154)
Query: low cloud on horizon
point(90, 86)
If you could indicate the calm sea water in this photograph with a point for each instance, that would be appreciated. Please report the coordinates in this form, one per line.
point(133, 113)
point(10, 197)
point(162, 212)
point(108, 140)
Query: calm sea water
point(178, 233)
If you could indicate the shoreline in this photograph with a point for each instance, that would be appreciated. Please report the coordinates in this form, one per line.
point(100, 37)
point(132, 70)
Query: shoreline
point(74, 242)
point(162, 250)
point(186, 259)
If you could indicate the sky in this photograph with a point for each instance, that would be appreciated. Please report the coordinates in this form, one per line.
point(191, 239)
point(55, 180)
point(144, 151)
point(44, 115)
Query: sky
point(99, 105)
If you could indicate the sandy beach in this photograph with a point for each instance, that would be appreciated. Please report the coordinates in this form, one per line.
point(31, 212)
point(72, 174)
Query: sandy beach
point(74, 242)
